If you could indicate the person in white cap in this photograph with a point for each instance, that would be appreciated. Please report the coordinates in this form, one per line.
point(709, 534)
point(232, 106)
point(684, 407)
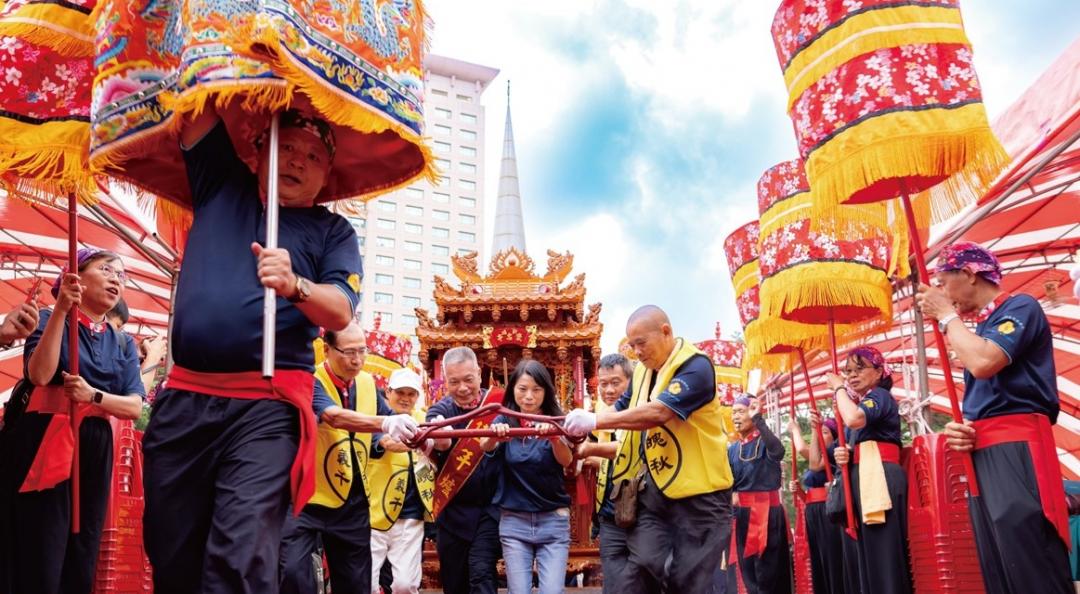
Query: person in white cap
point(401, 483)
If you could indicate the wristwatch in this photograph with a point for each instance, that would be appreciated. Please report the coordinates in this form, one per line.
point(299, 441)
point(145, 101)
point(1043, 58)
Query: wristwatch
point(943, 323)
point(98, 397)
point(303, 290)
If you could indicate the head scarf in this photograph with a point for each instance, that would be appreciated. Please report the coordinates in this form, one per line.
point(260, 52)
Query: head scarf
point(81, 257)
point(743, 401)
point(872, 355)
point(965, 255)
point(830, 424)
point(292, 118)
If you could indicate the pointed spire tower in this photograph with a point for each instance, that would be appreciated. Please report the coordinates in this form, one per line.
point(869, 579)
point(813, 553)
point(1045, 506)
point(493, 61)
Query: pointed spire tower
point(509, 221)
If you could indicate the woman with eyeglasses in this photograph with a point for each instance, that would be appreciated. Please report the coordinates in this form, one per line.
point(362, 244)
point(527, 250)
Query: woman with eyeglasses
point(46, 557)
point(879, 486)
point(534, 524)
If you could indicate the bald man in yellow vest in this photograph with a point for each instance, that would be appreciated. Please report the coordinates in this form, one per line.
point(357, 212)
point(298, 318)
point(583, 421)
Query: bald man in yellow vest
point(675, 445)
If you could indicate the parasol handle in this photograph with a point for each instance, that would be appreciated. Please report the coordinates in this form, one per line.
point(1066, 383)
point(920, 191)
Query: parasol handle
point(73, 358)
point(939, 338)
point(845, 469)
point(270, 295)
point(817, 430)
point(794, 454)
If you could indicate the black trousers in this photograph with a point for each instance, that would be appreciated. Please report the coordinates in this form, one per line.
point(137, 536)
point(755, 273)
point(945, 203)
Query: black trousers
point(217, 489)
point(613, 555)
point(346, 537)
point(45, 557)
point(768, 572)
point(468, 567)
point(690, 531)
point(826, 551)
point(881, 552)
point(1018, 547)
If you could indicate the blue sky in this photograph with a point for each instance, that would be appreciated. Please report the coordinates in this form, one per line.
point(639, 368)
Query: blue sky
point(642, 127)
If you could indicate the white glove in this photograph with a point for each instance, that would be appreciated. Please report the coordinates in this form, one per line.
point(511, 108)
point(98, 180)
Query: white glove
point(580, 422)
point(400, 427)
point(1075, 274)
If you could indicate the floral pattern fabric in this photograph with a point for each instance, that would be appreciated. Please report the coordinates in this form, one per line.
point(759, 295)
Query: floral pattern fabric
point(796, 244)
point(781, 182)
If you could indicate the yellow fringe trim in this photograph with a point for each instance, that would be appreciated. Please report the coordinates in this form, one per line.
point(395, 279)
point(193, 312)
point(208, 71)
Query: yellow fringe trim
point(868, 32)
point(955, 142)
point(826, 284)
point(67, 32)
point(745, 277)
point(46, 162)
point(837, 220)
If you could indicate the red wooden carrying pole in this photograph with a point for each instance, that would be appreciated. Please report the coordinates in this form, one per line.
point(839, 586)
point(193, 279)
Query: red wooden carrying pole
point(844, 468)
point(73, 357)
point(794, 454)
point(939, 338)
point(817, 430)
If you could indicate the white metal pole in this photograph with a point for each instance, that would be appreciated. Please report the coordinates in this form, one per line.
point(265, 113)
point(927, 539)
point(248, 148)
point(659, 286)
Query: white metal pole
point(269, 295)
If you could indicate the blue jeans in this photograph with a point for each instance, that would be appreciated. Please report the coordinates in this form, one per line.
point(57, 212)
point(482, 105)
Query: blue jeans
point(543, 536)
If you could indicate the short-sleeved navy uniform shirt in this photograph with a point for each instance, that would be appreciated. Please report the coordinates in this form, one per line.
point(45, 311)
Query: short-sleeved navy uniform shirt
point(817, 478)
point(218, 323)
point(752, 467)
point(321, 401)
point(531, 479)
point(882, 419)
point(108, 361)
point(696, 379)
point(1028, 384)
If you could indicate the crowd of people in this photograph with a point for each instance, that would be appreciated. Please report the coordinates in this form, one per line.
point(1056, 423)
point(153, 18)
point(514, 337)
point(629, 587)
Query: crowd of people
point(247, 477)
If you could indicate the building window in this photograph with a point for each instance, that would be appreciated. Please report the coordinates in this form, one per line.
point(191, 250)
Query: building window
point(468, 118)
point(384, 242)
point(382, 260)
point(442, 112)
point(466, 202)
point(440, 232)
point(466, 219)
point(412, 265)
point(468, 134)
point(413, 246)
point(384, 298)
point(464, 251)
point(358, 223)
point(414, 229)
point(465, 98)
point(387, 206)
point(360, 240)
point(414, 211)
point(443, 130)
point(384, 279)
point(440, 250)
point(440, 268)
point(438, 92)
point(385, 224)
point(442, 197)
point(466, 167)
point(468, 151)
point(414, 193)
point(467, 185)
point(440, 215)
point(408, 321)
point(410, 302)
point(386, 317)
point(412, 283)
point(442, 164)
point(466, 236)
point(444, 182)
point(442, 146)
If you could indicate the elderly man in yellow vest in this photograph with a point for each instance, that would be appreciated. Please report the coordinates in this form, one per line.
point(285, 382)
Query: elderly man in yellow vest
point(676, 448)
point(402, 485)
point(349, 409)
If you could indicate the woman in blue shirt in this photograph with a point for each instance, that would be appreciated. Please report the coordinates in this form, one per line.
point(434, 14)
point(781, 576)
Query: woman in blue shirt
point(872, 421)
point(535, 519)
point(46, 556)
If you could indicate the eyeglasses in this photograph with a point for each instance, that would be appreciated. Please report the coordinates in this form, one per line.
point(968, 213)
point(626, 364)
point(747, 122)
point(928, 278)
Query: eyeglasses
point(856, 370)
point(109, 272)
point(351, 353)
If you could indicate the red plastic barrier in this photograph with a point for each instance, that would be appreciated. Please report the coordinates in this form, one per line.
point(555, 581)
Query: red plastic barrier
point(804, 583)
point(940, 537)
point(122, 565)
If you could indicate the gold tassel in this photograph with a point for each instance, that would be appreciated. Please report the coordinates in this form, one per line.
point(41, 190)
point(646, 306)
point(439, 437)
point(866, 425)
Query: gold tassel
point(838, 285)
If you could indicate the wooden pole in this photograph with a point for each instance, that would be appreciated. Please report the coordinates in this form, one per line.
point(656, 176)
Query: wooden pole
point(845, 469)
point(817, 430)
point(73, 358)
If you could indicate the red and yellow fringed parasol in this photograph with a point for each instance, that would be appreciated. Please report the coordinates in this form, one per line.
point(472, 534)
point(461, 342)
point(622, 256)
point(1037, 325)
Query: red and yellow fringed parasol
point(882, 91)
point(727, 357)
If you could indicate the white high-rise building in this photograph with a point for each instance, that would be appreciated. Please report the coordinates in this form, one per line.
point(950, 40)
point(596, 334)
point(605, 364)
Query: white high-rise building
point(408, 236)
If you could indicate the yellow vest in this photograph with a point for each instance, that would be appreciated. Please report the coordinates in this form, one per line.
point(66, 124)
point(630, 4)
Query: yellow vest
point(685, 458)
point(334, 447)
point(603, 436)
point(387, 478)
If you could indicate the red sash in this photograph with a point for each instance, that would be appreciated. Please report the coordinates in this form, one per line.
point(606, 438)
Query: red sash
point(52, 462)
point(464, 457)
point(293, 386)
point(757, 533)
point(890, 452)
point(817, 495)
point(1035, 429)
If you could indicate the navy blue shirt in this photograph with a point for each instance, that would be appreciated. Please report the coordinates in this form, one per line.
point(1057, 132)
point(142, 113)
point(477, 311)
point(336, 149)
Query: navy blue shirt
point(818, 478)
point(531, 479)
point(462, 514)
point(219, 300)
point(692, 387)
point(108, 360)
point(321, 401)
point(607, 506)
point(1028, 384)
point(882, 419)
point(755, 465)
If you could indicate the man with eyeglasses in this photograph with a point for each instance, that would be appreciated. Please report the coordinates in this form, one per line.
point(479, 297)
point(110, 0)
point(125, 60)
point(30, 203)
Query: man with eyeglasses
point(467, 524)
point(349, 409)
